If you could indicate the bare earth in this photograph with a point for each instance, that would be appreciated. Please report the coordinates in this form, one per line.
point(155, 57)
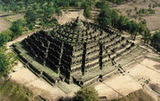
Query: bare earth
point(4, 24)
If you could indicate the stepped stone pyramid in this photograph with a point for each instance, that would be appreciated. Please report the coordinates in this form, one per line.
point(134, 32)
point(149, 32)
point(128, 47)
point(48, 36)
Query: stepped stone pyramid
point(77, 52)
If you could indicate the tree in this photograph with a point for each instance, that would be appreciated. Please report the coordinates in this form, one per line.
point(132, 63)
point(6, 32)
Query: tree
point(147, 37)
point(87, 13)
point(86, 94)
point(16, 28)
point(156, 41)
point(5, 36)
point(105, 17)
point(121, 23)
point(3, 63)
point(100, 4)
point(62, 3)
point(133, 29)
point(31, 18)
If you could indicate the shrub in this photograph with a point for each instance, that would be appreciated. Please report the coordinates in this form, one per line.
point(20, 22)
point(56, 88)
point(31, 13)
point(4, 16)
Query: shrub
point(16, 28)
point(5, 36)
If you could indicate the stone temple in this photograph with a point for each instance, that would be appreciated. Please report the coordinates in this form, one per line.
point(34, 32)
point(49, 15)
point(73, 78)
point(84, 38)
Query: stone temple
point(77, 52)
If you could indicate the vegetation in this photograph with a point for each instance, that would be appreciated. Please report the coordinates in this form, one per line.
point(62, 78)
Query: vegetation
point(7, 60)
point(17, 5)
point(86, 94)
point(118, 1)
point(11, 91)
point(145, 11)
point(87, 13)
point(5, 36)
point(15, 30)
point(40, 12)
point(156, 41)
point(3, 64)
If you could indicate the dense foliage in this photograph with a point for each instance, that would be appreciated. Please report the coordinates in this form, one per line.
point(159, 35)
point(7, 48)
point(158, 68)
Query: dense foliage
point(87, 12)
point(86, 94)
point(3, 63)
point(12, 91)
point(29, 4)
point(40, 12)
point(5, 36)
point(7, 60)
point(15, 30)
point(156, 41)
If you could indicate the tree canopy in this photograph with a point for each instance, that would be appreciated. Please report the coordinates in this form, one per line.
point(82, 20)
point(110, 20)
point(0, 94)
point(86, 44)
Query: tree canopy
point(16, 28)
point(86, 94)
point(156, 41)
point(3, 63)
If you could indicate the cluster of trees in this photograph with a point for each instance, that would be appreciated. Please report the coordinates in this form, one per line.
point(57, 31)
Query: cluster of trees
point(28, 4)
point(40, 12)
point(14, 31)
point(110, 17)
